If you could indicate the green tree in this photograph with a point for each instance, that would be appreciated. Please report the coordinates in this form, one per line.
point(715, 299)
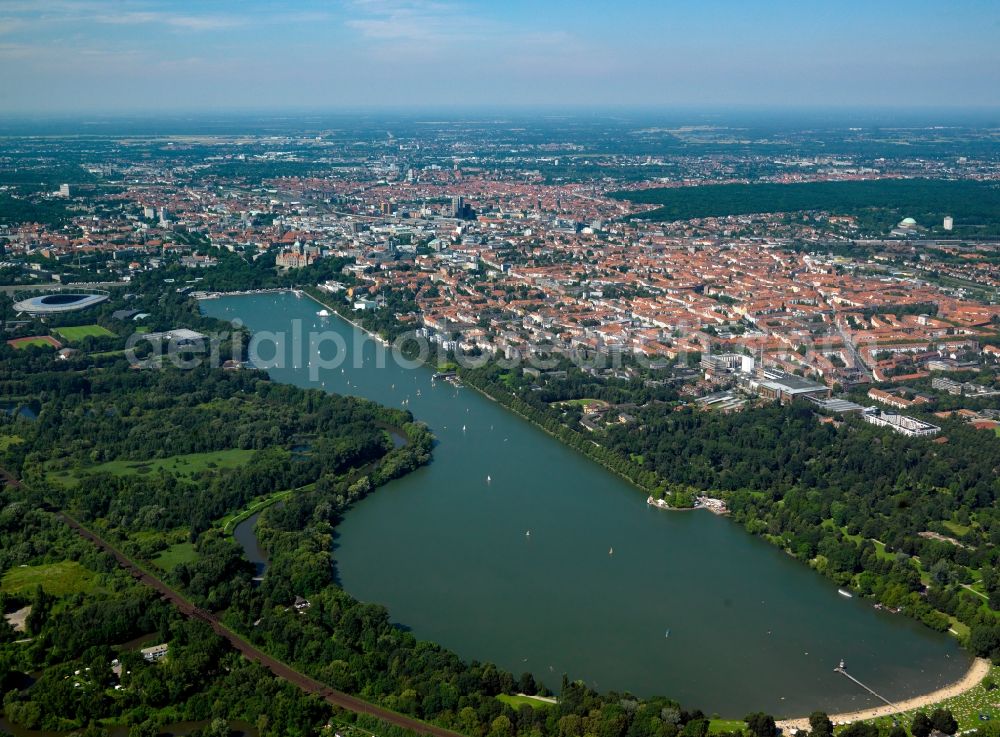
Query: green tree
point(860, 729)
point(527, 684)
point(761, 724)
point(820, 724)
point(695, 728)
point(943, 721)
point(921, 725)
point(147, 728)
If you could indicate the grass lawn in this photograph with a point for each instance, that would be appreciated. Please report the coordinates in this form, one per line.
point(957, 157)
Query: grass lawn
point(60, 579)
point(80, 332)
point(515, 701)
point(959, 629)
point(718, 726)
point(182, 465)
point(8, 440)
point(966, 707)
point(955, 528)
point(229, 522)
point(175, 555)
point(880, 551)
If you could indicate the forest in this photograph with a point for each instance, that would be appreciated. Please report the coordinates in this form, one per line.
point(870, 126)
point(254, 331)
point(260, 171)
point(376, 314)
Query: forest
point(76, 636)
point(32, 209)
point(925, 200)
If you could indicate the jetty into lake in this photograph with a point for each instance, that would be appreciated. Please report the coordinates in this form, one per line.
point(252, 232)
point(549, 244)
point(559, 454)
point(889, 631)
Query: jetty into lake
point(843, 671)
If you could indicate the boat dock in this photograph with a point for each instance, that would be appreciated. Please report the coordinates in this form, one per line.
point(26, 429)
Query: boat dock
point(843, 671)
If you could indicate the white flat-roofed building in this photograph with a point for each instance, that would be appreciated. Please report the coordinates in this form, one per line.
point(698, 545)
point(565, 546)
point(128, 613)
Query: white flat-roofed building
point(155, 652)
point(900, 423)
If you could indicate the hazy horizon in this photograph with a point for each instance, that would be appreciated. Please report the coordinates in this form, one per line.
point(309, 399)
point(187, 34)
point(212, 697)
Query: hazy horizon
point(76, 57)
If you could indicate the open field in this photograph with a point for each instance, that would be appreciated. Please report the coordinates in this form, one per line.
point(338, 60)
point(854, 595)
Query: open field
point(926, 200)
point(175, 555)
point(8, 440)
point(516, 701)
point(182, 465)
point(718, 726)
point(80, 332)
point(60, 579)
point(37, 340)
point(957, 529)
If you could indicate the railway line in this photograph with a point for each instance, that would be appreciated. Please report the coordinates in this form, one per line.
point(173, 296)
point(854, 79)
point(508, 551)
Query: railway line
point(251, 652)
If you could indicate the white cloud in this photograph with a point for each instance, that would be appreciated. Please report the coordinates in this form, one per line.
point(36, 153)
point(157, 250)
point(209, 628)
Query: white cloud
point(46, 13)
point(173, 20)
point(418, 21)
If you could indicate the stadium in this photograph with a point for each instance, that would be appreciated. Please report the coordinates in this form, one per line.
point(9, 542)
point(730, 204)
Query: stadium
point(50, 304)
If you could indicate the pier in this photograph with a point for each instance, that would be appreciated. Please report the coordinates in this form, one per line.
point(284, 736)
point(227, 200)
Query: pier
point(843, 671)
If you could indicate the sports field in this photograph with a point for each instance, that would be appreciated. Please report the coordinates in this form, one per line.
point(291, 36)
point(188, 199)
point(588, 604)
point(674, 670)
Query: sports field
point(79, 332)
point(46, 340)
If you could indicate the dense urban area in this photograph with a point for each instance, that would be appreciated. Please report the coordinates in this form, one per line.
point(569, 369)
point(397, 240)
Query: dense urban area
point(795, 326)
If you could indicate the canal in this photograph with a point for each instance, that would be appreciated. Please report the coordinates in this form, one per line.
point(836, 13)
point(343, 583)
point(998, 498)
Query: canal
point(604, 588)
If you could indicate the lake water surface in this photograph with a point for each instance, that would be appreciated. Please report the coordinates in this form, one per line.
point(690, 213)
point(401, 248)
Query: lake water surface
point(447, 550)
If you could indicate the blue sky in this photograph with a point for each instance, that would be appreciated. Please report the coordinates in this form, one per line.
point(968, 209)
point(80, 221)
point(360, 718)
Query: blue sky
point(59, 56)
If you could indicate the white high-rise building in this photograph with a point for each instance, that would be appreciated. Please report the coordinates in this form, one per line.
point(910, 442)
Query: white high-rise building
point(949, 222)
point(64, 190)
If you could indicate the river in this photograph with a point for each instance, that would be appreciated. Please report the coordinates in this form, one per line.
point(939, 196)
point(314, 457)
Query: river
point(604, 588)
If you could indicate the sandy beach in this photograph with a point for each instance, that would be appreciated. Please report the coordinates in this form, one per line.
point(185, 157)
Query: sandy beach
point(979, 669)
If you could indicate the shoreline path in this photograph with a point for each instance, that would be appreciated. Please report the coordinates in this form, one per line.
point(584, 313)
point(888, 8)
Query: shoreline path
point(978, 671)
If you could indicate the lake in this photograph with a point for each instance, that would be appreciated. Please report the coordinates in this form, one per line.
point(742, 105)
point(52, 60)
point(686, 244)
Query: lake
point(594, 588)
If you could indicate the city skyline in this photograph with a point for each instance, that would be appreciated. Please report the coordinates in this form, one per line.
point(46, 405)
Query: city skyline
point(148, 55)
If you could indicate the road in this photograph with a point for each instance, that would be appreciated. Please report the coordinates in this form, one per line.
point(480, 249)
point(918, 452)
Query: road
point(859, 364)
point(249, 651)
